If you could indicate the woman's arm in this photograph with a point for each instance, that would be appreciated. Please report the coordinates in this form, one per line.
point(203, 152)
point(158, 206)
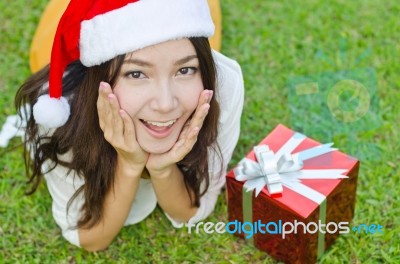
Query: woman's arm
point(119, 131)
point(117, 205)
point(172, 195)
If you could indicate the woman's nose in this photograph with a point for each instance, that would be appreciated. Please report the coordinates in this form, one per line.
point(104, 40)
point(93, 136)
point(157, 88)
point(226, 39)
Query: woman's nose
point(164, 98)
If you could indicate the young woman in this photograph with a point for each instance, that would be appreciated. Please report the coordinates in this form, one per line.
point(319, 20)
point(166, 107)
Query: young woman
point(134, 109)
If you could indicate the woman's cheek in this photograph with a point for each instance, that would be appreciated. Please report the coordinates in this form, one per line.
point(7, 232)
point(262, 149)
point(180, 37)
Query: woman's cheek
point(128, 100)
point(195, 96)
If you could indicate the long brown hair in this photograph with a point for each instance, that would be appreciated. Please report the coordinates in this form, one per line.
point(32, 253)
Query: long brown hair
point(93, 158)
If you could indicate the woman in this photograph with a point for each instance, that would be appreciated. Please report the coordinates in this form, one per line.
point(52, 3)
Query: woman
point(129, 119)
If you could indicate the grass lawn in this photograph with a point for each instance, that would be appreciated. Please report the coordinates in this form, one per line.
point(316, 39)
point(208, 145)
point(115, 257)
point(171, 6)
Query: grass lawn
point(277, 44)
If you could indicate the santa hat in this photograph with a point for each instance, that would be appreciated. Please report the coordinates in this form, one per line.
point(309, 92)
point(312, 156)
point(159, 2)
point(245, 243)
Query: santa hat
point(96, 31)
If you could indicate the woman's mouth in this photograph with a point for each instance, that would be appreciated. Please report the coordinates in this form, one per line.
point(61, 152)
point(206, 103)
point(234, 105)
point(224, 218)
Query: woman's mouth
point(159, 129)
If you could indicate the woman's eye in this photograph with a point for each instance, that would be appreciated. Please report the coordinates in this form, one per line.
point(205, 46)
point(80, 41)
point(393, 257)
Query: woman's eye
point(136, 75)
point(187, 71)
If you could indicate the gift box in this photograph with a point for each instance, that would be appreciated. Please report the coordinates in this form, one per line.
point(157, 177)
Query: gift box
point(292, 196)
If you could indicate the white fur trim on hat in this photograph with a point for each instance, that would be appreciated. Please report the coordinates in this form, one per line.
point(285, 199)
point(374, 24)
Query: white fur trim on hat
point(141, 24)
point(51, 112)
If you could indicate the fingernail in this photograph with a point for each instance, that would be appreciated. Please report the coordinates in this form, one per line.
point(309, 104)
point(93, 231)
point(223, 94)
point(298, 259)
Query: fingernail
point(209, 95)
point(103, 86)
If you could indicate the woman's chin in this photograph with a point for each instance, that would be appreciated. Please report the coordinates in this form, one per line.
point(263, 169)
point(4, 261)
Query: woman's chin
point(156, 148)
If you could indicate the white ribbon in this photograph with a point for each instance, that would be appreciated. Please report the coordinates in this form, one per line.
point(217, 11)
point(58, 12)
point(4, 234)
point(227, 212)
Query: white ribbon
point(276, 170)
point(10, 129)
point(14, 126)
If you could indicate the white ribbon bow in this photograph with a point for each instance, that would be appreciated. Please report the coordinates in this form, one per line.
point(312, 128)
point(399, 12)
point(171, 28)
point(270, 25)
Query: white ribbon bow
point(14, 126)
point(10, 129)
point(276, 170)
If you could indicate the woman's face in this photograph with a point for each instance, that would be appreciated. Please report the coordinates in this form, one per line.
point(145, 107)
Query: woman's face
point(159, 87)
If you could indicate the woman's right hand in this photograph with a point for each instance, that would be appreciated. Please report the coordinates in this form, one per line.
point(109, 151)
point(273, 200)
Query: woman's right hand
point(119, 131)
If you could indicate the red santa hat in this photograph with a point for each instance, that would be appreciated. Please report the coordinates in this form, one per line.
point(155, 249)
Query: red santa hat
point(96, 31)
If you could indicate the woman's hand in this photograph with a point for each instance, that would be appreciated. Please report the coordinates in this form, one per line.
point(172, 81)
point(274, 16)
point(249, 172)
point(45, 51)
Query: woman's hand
point(157, 163)
point(119, 130)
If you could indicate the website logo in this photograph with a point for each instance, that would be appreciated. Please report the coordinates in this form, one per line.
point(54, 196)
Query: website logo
point(281, 228)
point(339, 100)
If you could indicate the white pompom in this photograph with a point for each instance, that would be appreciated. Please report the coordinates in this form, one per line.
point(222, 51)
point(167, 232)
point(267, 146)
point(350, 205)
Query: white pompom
point(51, 112)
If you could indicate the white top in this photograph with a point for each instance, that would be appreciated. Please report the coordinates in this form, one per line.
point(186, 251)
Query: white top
point(230, 94)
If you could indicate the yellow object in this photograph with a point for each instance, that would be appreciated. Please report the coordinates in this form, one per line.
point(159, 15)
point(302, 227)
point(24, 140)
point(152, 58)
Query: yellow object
point(44, 35)
point(216, 40)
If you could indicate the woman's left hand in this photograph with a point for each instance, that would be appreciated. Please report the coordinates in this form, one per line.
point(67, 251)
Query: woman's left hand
point(157, 163)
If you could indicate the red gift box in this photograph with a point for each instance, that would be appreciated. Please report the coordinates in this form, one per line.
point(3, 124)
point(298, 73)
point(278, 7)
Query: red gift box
point(275, 212)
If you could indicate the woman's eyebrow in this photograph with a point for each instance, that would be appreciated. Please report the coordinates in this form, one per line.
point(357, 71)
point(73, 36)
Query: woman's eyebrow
point(138, 62)
point(185, 60)
point(143, 63)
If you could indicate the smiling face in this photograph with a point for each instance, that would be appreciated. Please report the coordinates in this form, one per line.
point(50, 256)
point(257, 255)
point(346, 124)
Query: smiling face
point(159, 87)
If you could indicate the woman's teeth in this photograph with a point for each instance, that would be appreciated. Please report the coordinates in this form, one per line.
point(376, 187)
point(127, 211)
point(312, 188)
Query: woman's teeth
point(160, 124)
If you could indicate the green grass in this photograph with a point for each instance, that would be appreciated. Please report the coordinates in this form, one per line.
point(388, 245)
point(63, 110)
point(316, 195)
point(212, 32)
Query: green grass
point(273, 41)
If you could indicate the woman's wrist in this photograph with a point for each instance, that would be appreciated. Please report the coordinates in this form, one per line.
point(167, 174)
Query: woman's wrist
point(129, 169)
point(162, 173)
